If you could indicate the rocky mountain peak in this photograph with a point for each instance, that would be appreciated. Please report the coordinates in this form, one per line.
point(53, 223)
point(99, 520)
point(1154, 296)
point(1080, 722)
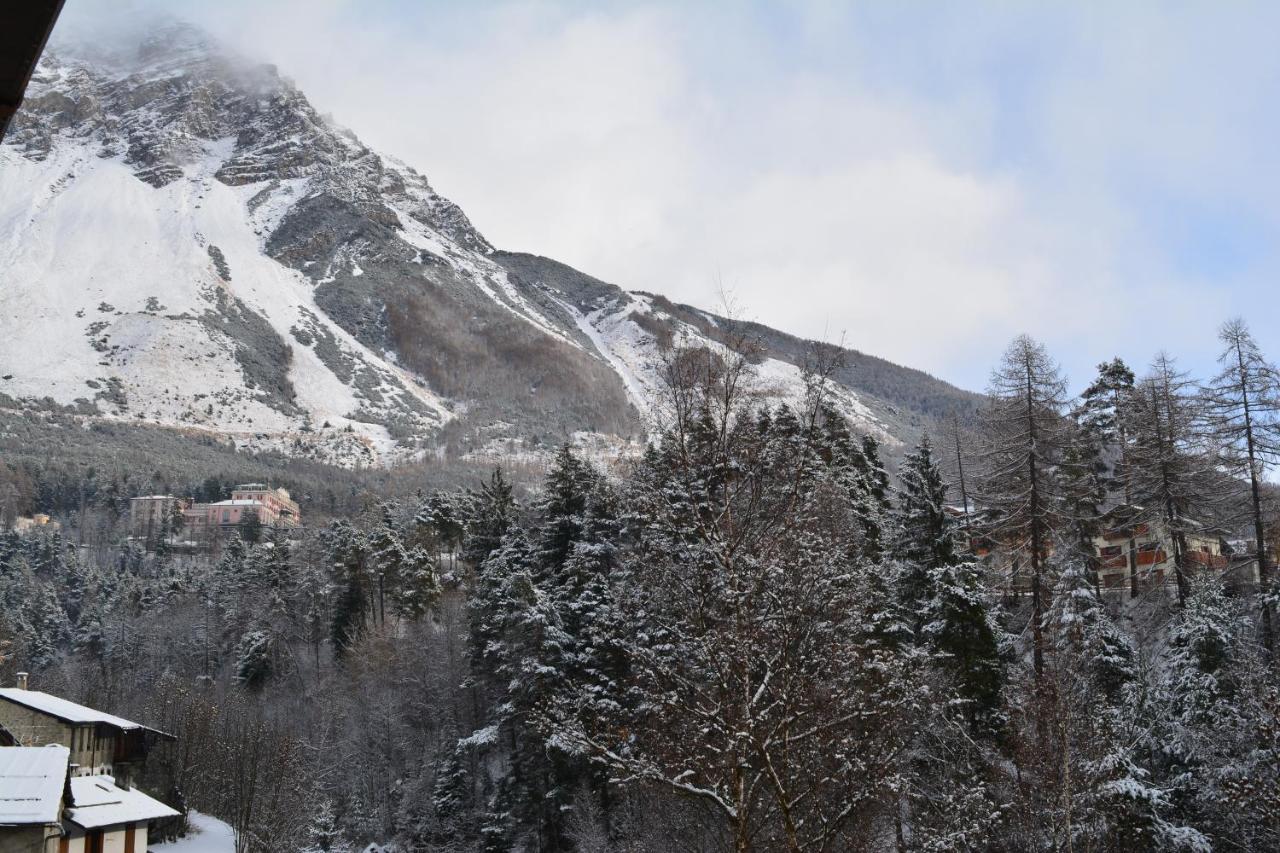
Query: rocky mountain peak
point(208, 251)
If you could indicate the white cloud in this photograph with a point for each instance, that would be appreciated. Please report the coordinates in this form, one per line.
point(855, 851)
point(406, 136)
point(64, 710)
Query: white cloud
point(929, 179)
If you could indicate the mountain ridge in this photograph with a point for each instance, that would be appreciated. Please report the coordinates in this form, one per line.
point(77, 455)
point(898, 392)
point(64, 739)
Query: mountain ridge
point(201, 248)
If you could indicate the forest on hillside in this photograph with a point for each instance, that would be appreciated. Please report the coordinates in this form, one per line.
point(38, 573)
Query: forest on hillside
point(753, 637)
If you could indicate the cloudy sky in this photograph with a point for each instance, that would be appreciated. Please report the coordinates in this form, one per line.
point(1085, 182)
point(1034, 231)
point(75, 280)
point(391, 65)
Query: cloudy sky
point(923, 179)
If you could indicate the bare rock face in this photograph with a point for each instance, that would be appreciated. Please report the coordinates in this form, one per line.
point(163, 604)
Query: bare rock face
point(272, 278)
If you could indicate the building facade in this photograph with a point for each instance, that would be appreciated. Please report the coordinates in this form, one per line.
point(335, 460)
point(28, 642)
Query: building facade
point(155, 515)
point(1146, 548)
point(24, 524)
point(97, 809)
point(271, 507)
point(275, 506)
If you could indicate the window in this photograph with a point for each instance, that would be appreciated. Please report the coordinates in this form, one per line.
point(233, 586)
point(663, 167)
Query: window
point(1149, 546)
point(1111, 551)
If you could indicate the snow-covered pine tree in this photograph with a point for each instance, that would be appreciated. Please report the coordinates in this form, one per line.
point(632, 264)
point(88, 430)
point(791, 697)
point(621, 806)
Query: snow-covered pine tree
point(323, 832)
point(924, 537)
point(418, 588)
point(966, 639)
point(1198, 703)
point(492, 512)
point(444, 515)
point(764, 690)
point(1104, 416)
point(563, 506)
point(388, 558)
point(313, 589)
point(1094, 791)
point(254, 665)
point(1084, 476)
point(43, 626)
point(856, 462)
point(348, 552)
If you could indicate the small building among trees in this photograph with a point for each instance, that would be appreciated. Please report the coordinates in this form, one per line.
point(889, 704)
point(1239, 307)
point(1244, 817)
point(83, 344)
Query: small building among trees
point(91, 759)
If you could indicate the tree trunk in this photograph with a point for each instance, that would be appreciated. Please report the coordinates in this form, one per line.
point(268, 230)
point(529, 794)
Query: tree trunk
point(1037, 543)
point(1264, 587)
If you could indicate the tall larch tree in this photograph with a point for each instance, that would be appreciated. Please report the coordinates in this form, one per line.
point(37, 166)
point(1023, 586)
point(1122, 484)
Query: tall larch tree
point(1167, 464)
point(1025, 437)
point(1242, 411)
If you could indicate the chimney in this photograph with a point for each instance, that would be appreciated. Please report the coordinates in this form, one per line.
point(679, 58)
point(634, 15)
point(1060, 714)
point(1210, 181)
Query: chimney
point(22, 681)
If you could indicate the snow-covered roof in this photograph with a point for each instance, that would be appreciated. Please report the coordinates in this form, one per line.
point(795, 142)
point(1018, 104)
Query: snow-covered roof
point(238, 502)
point(63, 709)
point(32, 779)
point(97, 801)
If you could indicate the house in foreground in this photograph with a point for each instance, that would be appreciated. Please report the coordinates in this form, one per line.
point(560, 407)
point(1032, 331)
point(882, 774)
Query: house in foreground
point(34, 790)
point(98, 809)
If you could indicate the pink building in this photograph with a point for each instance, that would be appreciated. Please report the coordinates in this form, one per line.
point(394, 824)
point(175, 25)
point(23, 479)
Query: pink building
point(276, 507)
point(273, 508)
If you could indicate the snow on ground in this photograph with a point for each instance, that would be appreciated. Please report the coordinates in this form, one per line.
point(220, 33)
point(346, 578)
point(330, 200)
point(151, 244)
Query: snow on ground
point(491, 279)
point(207, 835)
point(633, 354)
point(104, 281)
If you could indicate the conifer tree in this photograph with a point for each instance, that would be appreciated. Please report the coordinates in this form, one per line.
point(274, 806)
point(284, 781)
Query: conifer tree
point(1095, 790)
point(1021, 486)
point(388, 558)
point(1242, 408)
point(492, 514)
point(1084, 477)
point(43, 627)
point(1167, 467)
point(961, 631)
point(1105, 414)
point(758, 632)
point(348, 552)
point(923, 530)
point(567, 489)
point(444, 515)
point(1198, 700)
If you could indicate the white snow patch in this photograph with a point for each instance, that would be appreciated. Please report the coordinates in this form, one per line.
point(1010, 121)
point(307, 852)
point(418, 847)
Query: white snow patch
point(207, 835)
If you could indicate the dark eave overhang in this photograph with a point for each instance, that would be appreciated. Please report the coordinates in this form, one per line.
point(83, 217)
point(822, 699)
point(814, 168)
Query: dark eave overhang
point(24, 29)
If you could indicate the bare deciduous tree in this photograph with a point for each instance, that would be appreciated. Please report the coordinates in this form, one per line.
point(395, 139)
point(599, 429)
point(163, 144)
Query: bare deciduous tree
point(1025, 437)
point(1242, 411)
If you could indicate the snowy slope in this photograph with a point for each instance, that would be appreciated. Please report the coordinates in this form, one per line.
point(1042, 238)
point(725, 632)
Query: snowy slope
point(185, 241)
point(109, 283)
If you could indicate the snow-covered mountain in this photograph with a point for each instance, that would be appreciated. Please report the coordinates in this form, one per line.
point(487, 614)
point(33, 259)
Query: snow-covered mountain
point(184, 240)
